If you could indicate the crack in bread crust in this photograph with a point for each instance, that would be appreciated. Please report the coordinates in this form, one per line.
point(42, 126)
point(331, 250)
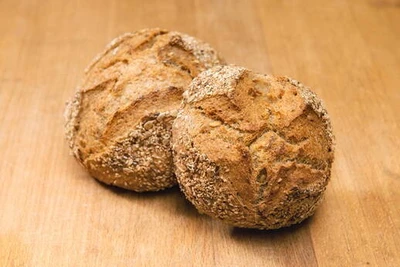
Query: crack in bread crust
point(144, 152)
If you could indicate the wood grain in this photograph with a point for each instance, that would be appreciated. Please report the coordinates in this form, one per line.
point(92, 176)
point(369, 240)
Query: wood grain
point(53, 214)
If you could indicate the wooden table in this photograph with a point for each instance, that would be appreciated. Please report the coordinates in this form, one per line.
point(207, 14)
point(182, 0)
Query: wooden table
point(53, 214)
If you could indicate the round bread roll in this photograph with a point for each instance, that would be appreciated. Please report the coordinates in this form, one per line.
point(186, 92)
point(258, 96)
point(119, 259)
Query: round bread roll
point(118, 124)
point(252, 150)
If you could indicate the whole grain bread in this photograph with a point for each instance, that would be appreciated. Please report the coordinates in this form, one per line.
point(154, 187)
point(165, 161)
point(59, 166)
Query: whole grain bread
point(252, 150)
point(118, 124)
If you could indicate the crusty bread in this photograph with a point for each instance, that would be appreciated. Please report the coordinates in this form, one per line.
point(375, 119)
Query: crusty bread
point(252, 150)
point(119, 121)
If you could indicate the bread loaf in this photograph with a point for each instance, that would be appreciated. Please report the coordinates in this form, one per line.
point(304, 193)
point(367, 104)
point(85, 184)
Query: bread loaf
point(118, 124)
point(252, 150)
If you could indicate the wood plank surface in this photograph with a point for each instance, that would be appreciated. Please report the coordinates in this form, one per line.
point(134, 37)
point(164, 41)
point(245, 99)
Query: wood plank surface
point(53, 214)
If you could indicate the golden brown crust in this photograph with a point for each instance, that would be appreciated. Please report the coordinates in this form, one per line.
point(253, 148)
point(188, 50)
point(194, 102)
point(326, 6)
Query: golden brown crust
point(253, 150)
point(118, 123)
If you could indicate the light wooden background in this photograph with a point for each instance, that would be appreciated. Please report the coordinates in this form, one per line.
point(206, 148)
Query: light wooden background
point(53, 214)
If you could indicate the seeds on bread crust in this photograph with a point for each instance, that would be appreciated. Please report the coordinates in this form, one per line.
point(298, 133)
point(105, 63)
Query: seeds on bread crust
point(252, 150)
point(118, 123)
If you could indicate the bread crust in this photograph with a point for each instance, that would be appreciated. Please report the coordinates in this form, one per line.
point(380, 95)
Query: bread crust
point(118, 122)
point(252, 150)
